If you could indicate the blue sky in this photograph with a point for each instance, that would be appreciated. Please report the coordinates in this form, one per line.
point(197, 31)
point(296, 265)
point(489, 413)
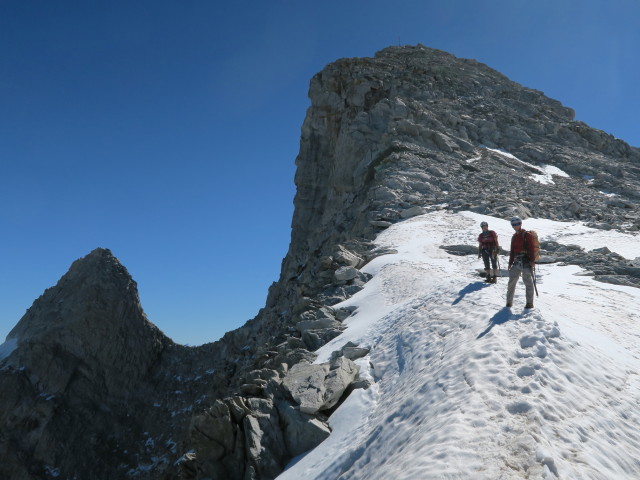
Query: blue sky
point(167, 131)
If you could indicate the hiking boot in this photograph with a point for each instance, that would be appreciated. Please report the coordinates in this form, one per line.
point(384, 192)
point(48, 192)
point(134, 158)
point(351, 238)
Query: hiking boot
point(528, 306)
point(494, 279)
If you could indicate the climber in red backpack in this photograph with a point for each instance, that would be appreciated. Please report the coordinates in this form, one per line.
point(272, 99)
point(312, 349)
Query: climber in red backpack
point(488, 249)
point(521, 262)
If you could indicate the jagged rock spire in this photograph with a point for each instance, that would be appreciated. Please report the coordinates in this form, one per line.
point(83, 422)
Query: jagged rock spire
point(94, 314)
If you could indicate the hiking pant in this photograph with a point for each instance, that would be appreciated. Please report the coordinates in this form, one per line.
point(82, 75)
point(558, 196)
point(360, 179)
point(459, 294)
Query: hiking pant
point(527, 277)
point(486, 255)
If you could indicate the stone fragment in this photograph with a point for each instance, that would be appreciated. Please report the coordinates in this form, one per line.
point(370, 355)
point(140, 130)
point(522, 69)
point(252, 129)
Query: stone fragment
point(302, 432)
point(343, 373)
point(314, 339)
point(344, 257)
point(353, 353)
point(412, 212)
point(305, 383)
point(344, 312)
point(319, 324)
point(344, 274)
point(380, 223)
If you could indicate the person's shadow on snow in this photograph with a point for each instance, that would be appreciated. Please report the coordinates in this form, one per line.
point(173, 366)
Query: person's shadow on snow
point(502, 316)
point(472, 287)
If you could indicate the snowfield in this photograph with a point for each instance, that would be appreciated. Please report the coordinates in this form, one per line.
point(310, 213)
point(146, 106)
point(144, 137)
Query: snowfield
point(468, 389)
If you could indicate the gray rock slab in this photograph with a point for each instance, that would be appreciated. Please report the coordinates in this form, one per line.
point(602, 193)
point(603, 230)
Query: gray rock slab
point(338, 380)
point(344, 274)
point(302, 432)
point(306, 385)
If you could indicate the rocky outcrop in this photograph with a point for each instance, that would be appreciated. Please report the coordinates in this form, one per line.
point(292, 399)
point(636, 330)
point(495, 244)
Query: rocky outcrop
point(255, 437)
point(316, 387)
point(385, 138)
point(82, 351)
point(93, 315)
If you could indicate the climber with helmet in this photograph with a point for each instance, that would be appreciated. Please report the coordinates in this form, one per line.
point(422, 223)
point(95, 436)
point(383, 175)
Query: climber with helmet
point(488, 249)
point(521, 262)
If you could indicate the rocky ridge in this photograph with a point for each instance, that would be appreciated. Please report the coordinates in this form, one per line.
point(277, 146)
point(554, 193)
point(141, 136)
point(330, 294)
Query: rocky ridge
point(385, 138)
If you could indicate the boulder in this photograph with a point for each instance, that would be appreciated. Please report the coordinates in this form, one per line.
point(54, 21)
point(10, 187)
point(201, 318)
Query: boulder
point(302, 432)
point(343, 373)
point(320, 387)
point(344, 312)
point(353, 353)
point(344, 257)
point(314, 339)
point(319, 324)
point(306, 384)
point(412, 212)
point(344, 274)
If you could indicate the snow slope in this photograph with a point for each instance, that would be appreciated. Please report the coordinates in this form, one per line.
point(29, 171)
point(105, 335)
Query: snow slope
point(468, 389)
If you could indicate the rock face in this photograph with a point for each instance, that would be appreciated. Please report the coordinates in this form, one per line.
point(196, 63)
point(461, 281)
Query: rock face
point(92, 390)
point(94, 315)
point(82, 349)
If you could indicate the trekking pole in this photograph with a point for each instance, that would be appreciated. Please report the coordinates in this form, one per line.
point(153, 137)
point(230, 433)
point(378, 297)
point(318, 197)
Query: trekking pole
point(533, 274)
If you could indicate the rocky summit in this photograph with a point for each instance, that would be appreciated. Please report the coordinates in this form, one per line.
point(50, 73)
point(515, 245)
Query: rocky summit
point(92, 390)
